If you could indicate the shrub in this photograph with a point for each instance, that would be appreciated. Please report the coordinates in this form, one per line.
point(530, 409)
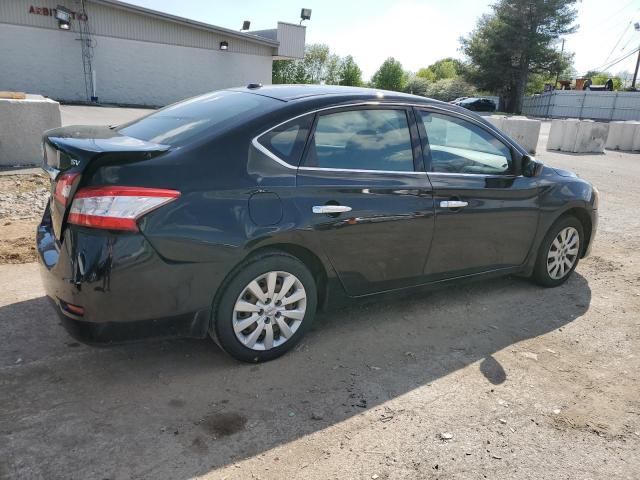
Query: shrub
point(417, 86)
point(450, 89)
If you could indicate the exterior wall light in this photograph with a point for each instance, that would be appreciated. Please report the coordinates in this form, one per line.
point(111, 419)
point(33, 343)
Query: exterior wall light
point(224, 45)
point(64, 18)
point(305, 14)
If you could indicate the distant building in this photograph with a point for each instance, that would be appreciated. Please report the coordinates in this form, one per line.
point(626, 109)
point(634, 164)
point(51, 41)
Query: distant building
point(73, 50)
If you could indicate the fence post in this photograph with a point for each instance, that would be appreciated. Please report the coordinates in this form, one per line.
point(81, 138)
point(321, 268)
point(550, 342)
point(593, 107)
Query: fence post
point(613, 108)
point(584, 97)
point(551, 95)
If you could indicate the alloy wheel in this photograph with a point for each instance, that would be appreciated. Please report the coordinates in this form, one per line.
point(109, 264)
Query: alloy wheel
point(269, 310)
point(563, 253)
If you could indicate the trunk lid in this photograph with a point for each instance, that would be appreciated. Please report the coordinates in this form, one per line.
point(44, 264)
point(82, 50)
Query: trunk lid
point(70, 151)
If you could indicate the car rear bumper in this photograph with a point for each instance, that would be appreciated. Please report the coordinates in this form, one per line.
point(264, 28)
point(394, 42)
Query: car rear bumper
point(114, 287)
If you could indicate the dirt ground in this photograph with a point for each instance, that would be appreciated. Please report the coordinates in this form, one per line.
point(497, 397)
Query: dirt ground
point(497, 379)
point(22, 201)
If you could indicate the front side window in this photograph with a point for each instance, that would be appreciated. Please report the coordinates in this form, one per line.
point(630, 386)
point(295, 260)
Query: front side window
point(459, 146)
point(366, 139)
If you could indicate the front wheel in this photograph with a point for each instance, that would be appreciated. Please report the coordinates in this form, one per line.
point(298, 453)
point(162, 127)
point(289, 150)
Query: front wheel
point(265, 308)
point(559, 252)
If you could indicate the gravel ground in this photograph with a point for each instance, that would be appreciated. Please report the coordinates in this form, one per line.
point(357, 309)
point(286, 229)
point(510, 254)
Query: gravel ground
point(497, 379)
point(22, 201)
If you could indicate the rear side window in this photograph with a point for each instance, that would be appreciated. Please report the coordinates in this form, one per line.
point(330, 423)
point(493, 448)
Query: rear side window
point(367, 139)
point(182, 122)
point(459, 146)
point(287, 140)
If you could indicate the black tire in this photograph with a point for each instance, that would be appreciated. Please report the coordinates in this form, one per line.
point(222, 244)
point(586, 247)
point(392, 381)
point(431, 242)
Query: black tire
point(223, 314)
point(541, 274)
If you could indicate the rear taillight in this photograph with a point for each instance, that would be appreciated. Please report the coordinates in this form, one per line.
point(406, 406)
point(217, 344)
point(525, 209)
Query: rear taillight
point(116, 208)
point(64, 186)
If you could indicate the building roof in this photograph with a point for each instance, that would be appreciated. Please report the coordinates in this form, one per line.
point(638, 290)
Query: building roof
point(188, 22)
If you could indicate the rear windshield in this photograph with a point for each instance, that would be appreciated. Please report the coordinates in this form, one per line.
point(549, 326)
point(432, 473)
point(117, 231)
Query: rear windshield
point(182, 122)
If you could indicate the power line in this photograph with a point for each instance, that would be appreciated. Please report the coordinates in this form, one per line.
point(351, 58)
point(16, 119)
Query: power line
point(627, 44)
point(617, 43)
point(605, 67)
point(604, 22)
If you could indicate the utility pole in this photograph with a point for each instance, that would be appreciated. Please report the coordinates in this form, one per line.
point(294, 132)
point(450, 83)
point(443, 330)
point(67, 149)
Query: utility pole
point(636, 26)
point(635, 73)
point(555, 85)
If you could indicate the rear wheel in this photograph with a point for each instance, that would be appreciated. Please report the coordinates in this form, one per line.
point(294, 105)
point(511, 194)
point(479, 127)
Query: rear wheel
point(265, 308)
point(559, 252)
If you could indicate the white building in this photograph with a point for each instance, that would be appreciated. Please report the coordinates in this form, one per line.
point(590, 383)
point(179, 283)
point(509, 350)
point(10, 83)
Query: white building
point(125, 54)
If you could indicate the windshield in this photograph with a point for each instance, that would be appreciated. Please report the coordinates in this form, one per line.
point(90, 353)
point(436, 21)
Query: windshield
point(179, 123)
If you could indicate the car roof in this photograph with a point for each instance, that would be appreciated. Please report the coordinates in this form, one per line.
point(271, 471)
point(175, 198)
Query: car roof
point(289, 93)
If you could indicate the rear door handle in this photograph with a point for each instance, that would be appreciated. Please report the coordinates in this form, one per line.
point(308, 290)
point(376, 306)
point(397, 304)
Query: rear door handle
point(453, 204)
point(330, 209)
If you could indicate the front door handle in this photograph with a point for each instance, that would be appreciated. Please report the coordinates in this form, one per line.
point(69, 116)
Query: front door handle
point(330, 209)
point(453, 204)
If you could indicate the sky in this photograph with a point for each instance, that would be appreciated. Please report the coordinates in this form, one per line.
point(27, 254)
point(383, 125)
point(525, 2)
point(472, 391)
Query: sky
point(415, 32)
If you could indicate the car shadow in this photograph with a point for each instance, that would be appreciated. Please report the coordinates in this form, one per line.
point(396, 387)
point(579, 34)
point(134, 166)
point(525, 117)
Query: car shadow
point(182, 408)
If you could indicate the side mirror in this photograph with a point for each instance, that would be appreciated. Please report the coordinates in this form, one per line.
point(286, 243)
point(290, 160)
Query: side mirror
point(531, 167)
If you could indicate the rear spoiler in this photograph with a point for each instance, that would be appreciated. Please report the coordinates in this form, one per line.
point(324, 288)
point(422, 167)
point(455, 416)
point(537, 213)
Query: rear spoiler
point(76, 146)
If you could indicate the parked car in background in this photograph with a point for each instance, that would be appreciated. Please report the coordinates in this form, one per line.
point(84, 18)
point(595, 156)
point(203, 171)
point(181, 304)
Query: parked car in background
point(238, 213)
point(478, 104)
point(457, 100)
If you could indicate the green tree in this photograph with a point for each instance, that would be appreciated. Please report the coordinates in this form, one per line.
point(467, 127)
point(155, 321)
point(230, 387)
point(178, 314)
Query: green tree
point(447, 68)
point(516, 40)
point(333, 72)
point(351, 73)
point(537, 81)
point(427, 74)
point(389, 76)
point(444, 68)
point(417, 86)
point(300, 74)
point(316, 62)
point(283, 71)
point(319, 65)
point(600, 78)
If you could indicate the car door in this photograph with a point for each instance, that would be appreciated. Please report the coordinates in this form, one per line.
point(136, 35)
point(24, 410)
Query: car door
point(486, 214)
point(362, 188)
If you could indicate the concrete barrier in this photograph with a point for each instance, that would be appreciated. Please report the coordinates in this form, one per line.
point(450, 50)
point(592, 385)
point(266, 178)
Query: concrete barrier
point(496, 120)
point(636, 139)
point(577, 136)
point(591, 137)
point(21, 125)
point(525, 131)
point(556, 133)
point(624, 136)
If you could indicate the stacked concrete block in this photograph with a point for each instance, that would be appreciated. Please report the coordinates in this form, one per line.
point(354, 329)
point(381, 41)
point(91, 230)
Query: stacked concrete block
point(523, 130)
point(22, 123)
point(624, 136)
point(577, 136)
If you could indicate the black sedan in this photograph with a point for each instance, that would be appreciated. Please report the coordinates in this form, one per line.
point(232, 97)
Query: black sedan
point(478, 104)
point(237, 214)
